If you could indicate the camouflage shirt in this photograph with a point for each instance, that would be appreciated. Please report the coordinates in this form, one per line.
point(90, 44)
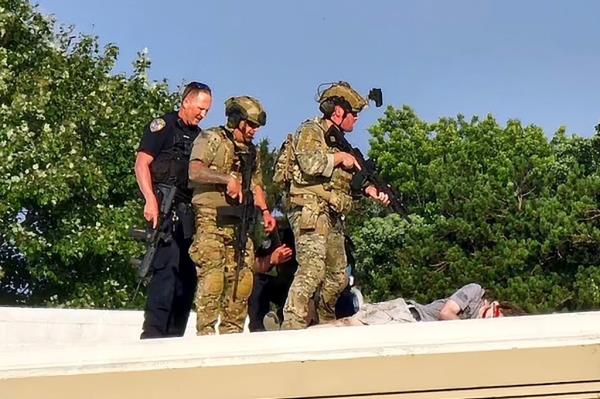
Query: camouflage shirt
point(314, 168)
point(214, 148)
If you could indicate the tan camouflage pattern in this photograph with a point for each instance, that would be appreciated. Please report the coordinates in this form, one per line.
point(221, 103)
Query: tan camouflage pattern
point(214, 255)
point(321, 260)
point(214, 149)
point(284, 162)
point(314, 167)
point(319, 196)
point(250, 106)
point(213, 249)
point(344, 90)
point(341, 199)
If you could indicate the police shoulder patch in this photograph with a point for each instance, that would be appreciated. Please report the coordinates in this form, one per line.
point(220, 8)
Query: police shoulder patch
point(157, 125)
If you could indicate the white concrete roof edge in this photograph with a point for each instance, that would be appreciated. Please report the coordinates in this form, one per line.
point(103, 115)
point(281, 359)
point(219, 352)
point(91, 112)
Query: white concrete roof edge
point(313, 344)
point(144, 364)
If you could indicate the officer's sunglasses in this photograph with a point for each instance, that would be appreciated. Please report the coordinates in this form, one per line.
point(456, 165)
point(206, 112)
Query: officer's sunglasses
point(195, 86)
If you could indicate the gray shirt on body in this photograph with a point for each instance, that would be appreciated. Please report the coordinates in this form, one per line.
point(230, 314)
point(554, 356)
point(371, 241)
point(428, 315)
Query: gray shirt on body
point(469, 298)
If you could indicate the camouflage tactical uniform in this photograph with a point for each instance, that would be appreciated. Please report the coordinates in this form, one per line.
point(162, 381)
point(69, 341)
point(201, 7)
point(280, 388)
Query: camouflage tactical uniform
point(319, 195)
point(213, 247)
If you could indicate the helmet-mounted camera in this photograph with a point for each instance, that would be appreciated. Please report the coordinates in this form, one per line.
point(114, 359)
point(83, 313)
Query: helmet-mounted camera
point(342, 94)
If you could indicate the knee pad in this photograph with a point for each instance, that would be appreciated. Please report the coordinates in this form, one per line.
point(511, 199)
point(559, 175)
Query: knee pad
point(194, 253)
point(213, 283)
point(245, 284)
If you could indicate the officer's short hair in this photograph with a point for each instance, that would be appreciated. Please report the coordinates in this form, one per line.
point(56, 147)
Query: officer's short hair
point(195, 88)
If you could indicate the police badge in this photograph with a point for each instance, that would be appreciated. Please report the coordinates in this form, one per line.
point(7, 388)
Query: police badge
point(157, 125)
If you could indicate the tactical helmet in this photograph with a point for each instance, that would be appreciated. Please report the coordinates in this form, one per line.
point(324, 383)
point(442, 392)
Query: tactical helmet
point(244, 108)
point(342, 94)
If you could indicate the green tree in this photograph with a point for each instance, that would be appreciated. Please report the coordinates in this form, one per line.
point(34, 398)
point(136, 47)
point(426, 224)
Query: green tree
point(69, 129)
point(502, 206)
point(267, 159)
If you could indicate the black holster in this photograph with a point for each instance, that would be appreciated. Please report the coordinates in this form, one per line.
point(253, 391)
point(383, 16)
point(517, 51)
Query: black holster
point(185, 216)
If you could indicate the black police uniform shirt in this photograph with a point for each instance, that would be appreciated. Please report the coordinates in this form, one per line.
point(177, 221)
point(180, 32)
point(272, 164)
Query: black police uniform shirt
point(169, 141)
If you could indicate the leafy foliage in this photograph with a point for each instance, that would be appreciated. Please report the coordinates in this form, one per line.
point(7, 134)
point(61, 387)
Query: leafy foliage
point(267, 159)
point(69, 129)
point(502, 206)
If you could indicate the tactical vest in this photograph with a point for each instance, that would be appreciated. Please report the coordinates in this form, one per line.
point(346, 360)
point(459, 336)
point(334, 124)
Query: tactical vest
point(284, 163)
point(171, 165)
point(225, 160)
point(334, 190)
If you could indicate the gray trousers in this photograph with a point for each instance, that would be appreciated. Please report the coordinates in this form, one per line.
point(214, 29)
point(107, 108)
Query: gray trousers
point(388, 312)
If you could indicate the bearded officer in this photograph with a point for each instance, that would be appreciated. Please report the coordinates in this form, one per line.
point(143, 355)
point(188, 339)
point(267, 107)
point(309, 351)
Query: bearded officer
point(215, 174)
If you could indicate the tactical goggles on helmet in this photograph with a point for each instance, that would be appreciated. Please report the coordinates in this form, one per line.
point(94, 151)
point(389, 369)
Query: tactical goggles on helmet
point(253, 124)
point(260, 120)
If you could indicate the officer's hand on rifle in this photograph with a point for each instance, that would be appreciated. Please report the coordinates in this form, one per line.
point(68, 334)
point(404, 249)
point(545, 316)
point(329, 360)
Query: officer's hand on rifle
point(346, 160)
point(379, 196)
point(269, 221)
point(151, 210)
point(234, 189)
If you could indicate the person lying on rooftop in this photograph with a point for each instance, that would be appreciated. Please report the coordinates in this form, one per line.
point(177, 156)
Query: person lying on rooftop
point(469, 302)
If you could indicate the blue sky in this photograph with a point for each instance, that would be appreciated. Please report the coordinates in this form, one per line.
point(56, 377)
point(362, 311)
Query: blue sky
point(537, 60)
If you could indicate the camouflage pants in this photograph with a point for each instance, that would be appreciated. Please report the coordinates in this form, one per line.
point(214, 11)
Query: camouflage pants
point(322, 264)
point(213, 253)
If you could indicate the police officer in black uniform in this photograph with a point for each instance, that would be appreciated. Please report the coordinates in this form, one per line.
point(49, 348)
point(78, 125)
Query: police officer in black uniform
point(161, 163)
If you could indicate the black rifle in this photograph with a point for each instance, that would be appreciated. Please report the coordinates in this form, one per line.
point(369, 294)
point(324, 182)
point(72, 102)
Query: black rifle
point(368, 170)
point(154, 236)
point(242, 216)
